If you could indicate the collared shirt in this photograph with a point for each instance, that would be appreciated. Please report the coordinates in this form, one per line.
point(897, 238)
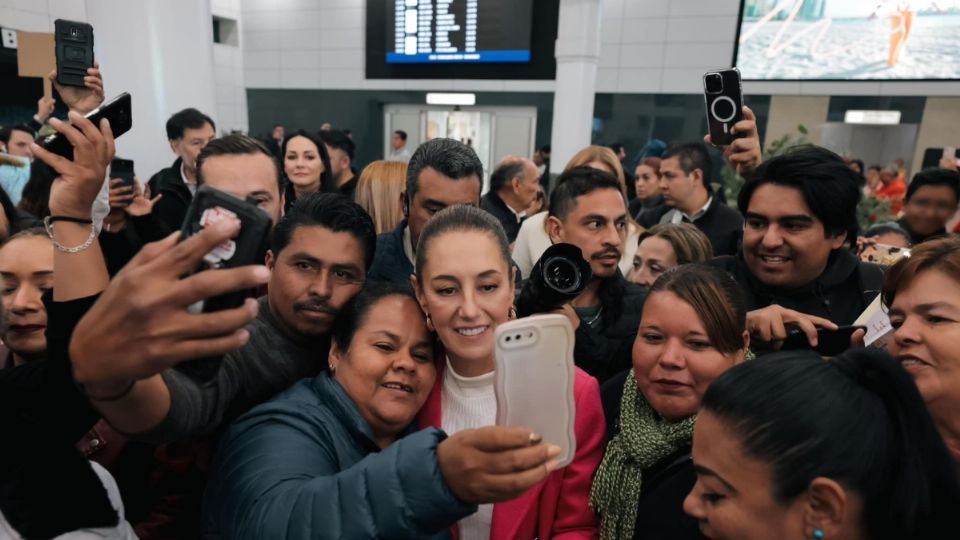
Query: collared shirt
point(192, 186)
point(408, 246)
point(676, 216)
point(403, 154)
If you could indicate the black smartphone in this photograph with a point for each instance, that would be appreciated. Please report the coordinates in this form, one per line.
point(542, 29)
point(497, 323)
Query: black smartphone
point(118, 111)
point(74, 46)
point(122, 169)
point(723, 95)
point(209, 206)
point(829, 342)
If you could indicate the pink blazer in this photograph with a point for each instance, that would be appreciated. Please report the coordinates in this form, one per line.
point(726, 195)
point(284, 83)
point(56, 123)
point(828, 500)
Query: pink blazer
point(558, 507)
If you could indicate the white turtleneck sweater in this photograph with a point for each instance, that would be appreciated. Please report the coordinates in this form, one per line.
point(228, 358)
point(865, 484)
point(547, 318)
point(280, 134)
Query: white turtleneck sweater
point(467, 403)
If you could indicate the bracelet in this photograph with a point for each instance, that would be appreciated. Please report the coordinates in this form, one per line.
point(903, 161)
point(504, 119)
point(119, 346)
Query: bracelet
point(60, 247)
point(105, 399)
point(71, 219)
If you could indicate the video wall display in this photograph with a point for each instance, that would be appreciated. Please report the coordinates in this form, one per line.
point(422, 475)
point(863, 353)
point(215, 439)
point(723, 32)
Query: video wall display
point(848, 40)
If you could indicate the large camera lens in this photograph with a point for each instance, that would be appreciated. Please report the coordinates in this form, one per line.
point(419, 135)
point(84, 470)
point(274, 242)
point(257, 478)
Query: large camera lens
point(713, 83)
point(562, 275)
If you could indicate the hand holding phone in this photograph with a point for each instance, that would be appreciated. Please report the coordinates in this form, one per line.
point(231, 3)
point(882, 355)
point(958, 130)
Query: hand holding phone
point(829, 342)
point(118, 111)
point(534, 379)
point(723, 96)
point(74, 51)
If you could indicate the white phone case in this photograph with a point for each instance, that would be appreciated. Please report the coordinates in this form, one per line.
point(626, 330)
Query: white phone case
point(534, 379)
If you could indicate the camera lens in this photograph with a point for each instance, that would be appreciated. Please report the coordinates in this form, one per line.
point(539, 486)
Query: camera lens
point(713, 83)
point(561, 274)
point(74, 31)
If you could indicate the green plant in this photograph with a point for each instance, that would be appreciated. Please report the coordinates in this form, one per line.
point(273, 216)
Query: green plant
point(873, 210)
point(732, 182)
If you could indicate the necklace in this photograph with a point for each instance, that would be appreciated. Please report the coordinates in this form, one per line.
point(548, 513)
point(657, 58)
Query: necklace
point(595, 318)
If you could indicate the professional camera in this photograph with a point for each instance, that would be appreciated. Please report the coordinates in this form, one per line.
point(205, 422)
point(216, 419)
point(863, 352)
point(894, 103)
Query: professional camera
point(559, 276)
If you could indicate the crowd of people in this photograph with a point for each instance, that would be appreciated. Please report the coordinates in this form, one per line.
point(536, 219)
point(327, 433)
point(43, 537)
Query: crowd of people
point(353, 395)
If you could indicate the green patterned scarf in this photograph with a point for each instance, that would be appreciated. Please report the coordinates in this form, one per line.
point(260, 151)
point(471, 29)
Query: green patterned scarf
point(644, 439)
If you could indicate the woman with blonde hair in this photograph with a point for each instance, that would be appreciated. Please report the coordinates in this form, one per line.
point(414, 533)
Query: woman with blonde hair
point(664, 246)
point(533, 240)
point(379, 192)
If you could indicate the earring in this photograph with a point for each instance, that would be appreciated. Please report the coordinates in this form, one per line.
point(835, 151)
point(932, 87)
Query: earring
point(818, 534)
point(430, 326)
point(512, 314)
point(332, 369)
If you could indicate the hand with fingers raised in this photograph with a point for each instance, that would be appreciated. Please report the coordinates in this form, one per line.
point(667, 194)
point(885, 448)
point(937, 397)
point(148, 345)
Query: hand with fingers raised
point(141, 325)
point(82, 100)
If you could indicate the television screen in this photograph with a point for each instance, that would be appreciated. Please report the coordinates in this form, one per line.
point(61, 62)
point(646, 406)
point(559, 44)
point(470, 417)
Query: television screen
point(848, 40)
point(458, 31)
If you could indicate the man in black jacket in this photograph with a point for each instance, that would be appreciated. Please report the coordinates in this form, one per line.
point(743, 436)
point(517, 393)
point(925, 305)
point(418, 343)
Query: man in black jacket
point(587, 209)
point(341, 149)
point(793, 266)
point(188, 132)
point(684, 184)
point(931, 201)
point(513, 187)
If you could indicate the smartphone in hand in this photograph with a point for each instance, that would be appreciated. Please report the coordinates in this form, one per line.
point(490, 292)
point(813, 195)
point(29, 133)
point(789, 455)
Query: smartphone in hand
point(122, 169)
point(534, 379)
point(829, 342)
point(118, 111)
point(723, 95)
point(74, 51)
point(210, 206)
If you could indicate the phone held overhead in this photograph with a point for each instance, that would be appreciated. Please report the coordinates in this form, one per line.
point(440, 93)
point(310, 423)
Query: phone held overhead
point(74, 51)
point(118, 111)
point(723, 96)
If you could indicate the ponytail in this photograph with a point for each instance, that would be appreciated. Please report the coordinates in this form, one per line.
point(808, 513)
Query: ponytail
point(858, 419)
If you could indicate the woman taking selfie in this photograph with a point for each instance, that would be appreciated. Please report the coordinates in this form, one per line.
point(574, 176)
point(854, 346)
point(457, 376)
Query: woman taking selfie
point(792, 446)
point(922, 294)
point(306, 167)
point(464, 283)
point(693, 329)
point(337, 457)
point(664, 246)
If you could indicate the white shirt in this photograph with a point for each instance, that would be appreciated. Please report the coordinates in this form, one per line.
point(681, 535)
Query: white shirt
point(192, 186)
point(468, 403)
point(403, 154)
point(408, 246)
point(676, 216)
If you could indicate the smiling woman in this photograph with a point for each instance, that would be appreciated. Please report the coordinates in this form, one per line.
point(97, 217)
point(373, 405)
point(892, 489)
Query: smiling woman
point(693, 329)
point(922, 293)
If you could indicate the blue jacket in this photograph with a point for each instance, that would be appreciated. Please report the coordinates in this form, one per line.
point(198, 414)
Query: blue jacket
point(305, 465)
point(390, 263)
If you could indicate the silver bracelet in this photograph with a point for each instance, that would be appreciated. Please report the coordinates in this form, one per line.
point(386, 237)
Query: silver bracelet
point(60, 247)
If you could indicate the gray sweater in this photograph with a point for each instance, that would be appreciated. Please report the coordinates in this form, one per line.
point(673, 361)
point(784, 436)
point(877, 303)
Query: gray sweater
point(272, 361)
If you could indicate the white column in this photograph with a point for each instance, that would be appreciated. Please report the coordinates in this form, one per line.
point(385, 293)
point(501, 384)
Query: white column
point(161, 52)
point(578, 54)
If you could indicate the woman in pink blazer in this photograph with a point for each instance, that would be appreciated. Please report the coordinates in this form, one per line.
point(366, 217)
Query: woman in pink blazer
point(464, 283)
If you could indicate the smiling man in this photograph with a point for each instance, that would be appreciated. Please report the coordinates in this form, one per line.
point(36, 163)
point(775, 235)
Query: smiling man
point(26, 272)
point(587, 209)
point(799, 209)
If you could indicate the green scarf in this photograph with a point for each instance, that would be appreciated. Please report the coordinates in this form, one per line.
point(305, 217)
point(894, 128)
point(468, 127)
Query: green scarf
point(644, 439)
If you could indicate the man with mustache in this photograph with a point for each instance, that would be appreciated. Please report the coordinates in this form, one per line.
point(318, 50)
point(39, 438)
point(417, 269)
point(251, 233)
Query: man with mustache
point(587, 209)
point(800, 210)
point(319, 256)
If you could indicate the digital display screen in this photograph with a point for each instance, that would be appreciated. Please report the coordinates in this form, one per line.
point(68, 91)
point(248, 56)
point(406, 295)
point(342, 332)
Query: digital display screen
point(848, 40)
point(458, 31)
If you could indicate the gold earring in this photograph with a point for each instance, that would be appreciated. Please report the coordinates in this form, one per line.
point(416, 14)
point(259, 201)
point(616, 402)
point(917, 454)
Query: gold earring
point(512, 314)
point(430, 324)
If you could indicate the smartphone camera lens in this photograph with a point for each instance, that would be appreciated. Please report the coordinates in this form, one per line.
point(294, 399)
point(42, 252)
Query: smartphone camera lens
point(713, 83)
point(74, 31)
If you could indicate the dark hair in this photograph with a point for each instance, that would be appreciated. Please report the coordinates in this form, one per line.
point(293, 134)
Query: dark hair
point(575, 183)
point(933, 176)
point(326, 179)
point(505, 172)
point(187, 119)
point(939, 254)
point(877, 168)
point(653, 162)
point(7, 132)
point(10, 211)
point(692, 156)
point(616, 147)
point(887, 227)
point(235, 145)
point(460, 218)
point(401, 133)
point(830, 188)
point(715, 296)
point(353, 314)
point(35, 199)
point(330, 211)
point(25, 233)
point(859, 163)
point(448, 157)
point(545, 149)
point(857, 419)
point(338, 139)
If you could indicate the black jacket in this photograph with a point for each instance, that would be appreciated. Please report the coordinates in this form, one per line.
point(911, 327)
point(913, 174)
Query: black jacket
point(915, 237)
point(171, 209)
point(605, 351)
point(665, 484)
point(841, 293)
point(722, 225)
point(492, 203)
point(390, 263)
